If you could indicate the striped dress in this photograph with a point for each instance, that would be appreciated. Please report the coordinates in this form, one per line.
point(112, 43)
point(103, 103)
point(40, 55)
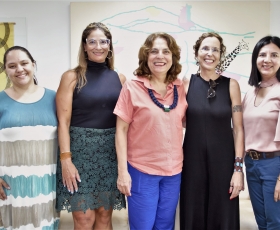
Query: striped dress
point(28, 149)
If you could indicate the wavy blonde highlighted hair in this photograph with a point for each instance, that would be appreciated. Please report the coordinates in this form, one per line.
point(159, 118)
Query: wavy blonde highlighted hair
point(80, 70)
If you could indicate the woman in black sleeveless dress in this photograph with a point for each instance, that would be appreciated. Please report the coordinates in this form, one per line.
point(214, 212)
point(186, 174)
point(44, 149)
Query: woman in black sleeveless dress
point(212, 174)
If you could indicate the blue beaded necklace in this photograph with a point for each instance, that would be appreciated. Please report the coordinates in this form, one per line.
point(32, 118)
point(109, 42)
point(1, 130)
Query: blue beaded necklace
point(166, 108)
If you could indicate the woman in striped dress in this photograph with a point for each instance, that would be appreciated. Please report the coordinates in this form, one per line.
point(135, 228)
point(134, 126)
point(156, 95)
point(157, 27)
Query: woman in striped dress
point(28, 145)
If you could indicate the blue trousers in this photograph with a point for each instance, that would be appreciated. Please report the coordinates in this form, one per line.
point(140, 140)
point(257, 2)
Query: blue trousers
point(153, 200)
point(261, 178)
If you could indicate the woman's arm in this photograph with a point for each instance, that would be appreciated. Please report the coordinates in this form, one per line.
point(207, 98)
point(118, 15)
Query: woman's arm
point(124, 179)
point(186, 83)
point(64, 98)
point(237, 180)
point(277, 190)
point(3, 195)
point(122, 78)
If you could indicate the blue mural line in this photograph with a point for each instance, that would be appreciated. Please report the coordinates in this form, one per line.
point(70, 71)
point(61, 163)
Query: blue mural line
point(238, 74)
point(171, 32)
point(133, 11)
point(154, 21)
point(188, 19)
point(137, 31)
point(250, 53)
point(128, 24)
point(234, 34)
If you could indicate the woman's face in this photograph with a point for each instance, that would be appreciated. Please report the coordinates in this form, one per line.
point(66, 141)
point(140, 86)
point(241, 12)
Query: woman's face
point(97, 46)
point(268, 61)
point(209, 53)
point(19, 68)
point(160, 58)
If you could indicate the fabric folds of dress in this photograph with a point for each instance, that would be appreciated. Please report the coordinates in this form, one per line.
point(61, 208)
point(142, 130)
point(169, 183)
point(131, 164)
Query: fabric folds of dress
point(28, 153)
point(208, 160)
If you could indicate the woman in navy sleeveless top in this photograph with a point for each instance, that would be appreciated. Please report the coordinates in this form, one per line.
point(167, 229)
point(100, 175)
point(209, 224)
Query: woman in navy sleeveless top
point(87, 168)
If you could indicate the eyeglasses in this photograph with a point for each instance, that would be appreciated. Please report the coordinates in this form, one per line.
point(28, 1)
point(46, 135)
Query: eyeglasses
point(104, 43)
point(206, 49)
point(211, 91)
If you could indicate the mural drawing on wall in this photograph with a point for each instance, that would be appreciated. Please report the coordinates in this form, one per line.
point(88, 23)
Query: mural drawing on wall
point(131, 23)
point(6, 41)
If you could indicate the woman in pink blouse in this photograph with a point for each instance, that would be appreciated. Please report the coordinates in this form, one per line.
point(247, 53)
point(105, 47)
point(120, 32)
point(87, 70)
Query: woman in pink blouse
point(149, 135)
point(261, 117)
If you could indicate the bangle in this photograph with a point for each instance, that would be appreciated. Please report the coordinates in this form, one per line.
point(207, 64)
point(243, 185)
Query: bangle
point(65, 155)
point(66, 152)
point(238, 164)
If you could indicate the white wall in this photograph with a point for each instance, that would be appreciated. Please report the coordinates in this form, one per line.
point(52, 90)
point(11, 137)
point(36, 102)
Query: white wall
point(48, 36)
point(48, 33)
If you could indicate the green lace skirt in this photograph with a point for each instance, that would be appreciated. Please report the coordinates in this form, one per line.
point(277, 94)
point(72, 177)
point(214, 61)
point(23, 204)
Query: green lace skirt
point(94, 155)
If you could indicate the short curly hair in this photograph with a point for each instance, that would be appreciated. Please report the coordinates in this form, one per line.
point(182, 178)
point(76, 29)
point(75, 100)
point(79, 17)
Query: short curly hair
point(207, 35)
point(144, 71)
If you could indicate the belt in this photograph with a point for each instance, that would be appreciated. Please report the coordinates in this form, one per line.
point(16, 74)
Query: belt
point(256, 155)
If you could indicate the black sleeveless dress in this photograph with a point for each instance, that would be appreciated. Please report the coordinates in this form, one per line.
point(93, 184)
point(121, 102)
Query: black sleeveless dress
point(92, 143)
point(208, 160)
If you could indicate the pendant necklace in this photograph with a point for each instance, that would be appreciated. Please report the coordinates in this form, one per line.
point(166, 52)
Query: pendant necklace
point(166, 108)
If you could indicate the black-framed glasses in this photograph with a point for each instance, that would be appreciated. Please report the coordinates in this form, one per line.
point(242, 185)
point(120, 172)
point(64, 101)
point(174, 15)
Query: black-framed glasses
point(211, 92)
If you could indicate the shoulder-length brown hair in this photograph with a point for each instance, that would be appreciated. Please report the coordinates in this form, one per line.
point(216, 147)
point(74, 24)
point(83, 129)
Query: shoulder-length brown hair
point(144, 70)
point(80, 70)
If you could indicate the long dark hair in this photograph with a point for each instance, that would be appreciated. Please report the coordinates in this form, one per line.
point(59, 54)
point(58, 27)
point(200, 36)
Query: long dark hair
point(255, 76)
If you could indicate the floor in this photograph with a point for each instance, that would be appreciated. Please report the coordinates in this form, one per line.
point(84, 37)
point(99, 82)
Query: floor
point(247, 219)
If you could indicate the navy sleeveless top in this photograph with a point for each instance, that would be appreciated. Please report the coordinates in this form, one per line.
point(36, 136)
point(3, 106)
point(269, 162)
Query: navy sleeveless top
point(93, 105)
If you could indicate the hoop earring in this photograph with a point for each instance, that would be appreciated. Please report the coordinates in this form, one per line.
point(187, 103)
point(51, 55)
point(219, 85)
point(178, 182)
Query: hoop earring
point(109, 57)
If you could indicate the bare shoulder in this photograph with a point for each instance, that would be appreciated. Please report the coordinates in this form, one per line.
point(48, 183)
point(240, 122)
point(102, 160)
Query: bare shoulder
point(122, 78)
point(234, 86)
point(69, 75)
point(69, 78)
point(186, 83)
point(235, 93)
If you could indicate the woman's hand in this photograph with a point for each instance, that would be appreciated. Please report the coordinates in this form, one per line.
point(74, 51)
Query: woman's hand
point(2, 193)
point(70, 175)
point(124, 183)
point(277, 191)
point(236, 184)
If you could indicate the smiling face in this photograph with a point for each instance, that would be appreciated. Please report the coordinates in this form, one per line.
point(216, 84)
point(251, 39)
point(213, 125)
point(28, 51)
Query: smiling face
point(96, 52)
point(160, 58)
point(208, 54)
point(268, 61)
point(19, 68)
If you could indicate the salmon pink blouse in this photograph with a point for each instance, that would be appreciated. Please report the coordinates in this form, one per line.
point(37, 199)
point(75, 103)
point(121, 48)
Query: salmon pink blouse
point(154, 139)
